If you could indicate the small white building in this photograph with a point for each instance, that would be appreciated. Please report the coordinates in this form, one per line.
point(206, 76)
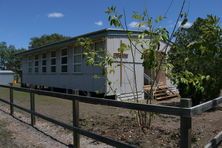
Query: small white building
point(6, 77)
point(63, 65)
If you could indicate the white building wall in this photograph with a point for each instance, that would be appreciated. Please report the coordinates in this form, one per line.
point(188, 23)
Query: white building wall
point(128, 86)
point(85, 80)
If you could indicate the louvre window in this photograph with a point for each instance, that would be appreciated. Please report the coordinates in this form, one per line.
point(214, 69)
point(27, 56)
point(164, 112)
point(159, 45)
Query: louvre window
point(30, 65)
point(53, 62)
point(99, 48)
point(44, 69)
point(77, 59)
point(64, 60)
point(53, 68)
point(36, 63)
point(44, 63)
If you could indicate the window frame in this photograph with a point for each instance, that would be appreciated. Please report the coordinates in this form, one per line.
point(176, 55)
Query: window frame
point(36, 66)
point(53, 65)
point(30, 64)
point(98, 50)
point(61, 57)
point(79, 63)
point(44, 58)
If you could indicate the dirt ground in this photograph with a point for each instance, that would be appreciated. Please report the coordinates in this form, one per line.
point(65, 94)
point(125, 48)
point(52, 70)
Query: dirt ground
point(164, 131)
point(17, 134)
point(6, 136)
point(120, 124)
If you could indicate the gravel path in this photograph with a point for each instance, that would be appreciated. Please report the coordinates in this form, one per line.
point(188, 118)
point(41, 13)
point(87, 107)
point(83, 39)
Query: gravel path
point(15, 134)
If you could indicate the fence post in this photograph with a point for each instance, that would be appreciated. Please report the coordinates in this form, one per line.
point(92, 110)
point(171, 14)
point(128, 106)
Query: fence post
point(185, 125)
point(11, 99)
point(75, 113)
point(32, 106)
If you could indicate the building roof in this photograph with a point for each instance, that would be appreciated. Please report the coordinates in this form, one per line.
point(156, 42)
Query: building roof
point(99, 33)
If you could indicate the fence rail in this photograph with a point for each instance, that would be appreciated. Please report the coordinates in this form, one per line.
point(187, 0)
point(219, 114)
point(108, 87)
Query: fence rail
point(198, 109)
point(215, 141)
point(186, 112)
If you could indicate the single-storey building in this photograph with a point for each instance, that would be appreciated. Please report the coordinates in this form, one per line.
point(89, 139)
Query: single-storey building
point(62, 65)
point(6, 77)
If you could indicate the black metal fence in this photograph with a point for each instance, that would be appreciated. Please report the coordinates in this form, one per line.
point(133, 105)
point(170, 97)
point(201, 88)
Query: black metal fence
point(186, 112)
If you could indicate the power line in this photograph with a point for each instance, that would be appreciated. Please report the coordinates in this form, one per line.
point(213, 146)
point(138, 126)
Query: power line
point(188, 9)
point(166, 12)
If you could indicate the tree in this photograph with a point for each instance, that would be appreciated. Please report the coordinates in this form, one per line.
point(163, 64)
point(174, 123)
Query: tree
point(196, 60)
point(46, 39)
point(146, 42)
point(8, 58)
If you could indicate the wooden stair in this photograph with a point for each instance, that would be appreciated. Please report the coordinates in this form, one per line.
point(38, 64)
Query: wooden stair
point(162, 92)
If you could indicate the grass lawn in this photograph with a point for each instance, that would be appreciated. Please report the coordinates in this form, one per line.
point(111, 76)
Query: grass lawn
point(57, 108)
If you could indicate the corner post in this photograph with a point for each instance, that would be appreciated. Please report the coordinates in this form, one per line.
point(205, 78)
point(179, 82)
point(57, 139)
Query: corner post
point(75, 113)
point(185, 125)
point(32, 106)
point(11, 99)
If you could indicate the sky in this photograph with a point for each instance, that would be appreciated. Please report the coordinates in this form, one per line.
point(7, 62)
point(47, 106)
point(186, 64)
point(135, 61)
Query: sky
point(24, 19)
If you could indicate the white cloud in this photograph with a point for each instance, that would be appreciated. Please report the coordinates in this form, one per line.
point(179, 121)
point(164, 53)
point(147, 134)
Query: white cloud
point(133, 24)
point(99, 23)
point(187, 25)
point(55, 15)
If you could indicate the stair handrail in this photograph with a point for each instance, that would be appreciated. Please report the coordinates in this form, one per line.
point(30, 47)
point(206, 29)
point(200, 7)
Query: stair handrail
point(150, 80)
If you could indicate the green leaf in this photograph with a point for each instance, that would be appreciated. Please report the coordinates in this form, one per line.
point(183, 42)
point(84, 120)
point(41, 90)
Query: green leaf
point(137, 16)
point(159, 19)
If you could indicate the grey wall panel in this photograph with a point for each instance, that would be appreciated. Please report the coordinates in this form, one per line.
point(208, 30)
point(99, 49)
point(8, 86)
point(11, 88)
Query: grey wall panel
point(81, 82)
